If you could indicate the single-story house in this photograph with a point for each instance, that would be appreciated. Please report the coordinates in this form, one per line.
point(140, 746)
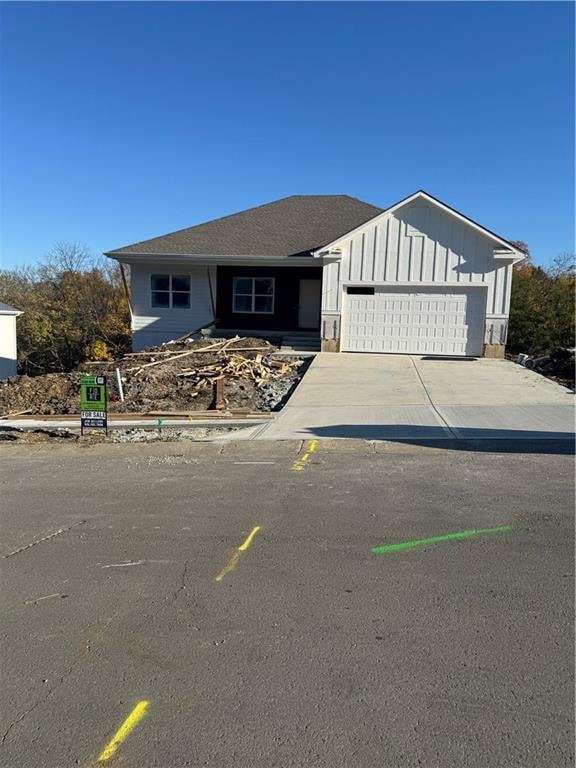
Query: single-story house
point(418, 277)
point(8, 347)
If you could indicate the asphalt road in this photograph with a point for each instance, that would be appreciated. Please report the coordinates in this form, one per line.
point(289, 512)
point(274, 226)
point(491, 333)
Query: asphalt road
point(310, 650)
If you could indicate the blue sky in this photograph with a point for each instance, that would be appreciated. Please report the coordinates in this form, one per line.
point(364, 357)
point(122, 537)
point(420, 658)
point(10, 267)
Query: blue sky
point(122, 121)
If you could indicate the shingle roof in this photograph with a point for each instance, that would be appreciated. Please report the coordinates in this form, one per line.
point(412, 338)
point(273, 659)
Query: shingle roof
point(291, 226)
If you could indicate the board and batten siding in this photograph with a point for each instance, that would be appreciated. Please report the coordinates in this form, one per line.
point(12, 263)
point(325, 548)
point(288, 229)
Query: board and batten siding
point(155, 325)
point(422, 245)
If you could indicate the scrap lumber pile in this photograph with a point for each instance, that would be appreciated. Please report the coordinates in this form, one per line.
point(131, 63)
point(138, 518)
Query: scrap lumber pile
point(260, 370)
point(179, 377)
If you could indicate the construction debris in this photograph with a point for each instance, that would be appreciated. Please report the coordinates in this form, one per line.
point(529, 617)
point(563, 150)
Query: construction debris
point(10, 434)
point(169, 434)
point(559, 366)
point(218, 345)
point(182, 378)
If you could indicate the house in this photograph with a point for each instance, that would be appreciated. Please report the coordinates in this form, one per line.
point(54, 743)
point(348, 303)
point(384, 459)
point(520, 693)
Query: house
point(8, 348)
point(418, 277)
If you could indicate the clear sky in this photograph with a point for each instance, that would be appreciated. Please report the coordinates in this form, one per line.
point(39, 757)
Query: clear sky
point(122, 121)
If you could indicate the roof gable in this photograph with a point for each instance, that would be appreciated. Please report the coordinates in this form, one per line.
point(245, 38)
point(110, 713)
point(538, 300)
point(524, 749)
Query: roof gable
point(505, 249)
point(292, 226)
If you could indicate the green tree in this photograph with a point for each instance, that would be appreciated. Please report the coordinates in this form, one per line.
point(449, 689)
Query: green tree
point(74, 309)
point(542, 313)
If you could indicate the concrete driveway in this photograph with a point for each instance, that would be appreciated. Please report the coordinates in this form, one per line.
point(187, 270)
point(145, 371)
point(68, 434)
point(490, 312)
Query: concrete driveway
point(406, 397)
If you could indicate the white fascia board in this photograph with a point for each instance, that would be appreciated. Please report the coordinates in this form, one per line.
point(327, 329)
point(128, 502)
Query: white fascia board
point(513, 253)
point(11, 312)
point(513, 258)
point(164, 258)
point(328, 259)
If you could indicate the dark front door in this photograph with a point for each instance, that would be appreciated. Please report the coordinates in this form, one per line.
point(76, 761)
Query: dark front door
point(309, 303)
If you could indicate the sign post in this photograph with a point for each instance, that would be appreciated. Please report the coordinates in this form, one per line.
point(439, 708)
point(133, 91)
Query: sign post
point(93, 403)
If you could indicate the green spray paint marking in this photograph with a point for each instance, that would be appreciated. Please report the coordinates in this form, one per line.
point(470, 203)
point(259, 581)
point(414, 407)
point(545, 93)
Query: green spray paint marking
point(437, 539)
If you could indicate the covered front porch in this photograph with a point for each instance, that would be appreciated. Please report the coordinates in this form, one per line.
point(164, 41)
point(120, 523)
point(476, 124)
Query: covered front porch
point(289, 342)
point(276, 301)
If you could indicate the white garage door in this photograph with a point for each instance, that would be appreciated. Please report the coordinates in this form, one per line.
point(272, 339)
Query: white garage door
point(429, 321)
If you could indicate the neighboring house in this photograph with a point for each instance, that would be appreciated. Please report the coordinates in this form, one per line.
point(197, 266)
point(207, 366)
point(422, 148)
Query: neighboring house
point(8, 348)
point(417, 277)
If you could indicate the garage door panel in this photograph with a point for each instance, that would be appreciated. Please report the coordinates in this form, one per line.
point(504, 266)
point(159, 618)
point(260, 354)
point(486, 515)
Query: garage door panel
point(432, 321)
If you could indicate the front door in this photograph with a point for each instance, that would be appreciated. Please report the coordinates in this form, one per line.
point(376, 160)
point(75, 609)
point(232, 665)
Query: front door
point(309, 303)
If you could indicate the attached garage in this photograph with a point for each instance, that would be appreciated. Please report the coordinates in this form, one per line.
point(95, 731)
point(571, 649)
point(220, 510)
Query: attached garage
point(419, 278)
point(414, 320)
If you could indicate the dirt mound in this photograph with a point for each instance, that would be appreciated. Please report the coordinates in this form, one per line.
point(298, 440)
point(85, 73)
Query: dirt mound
point(175, 377)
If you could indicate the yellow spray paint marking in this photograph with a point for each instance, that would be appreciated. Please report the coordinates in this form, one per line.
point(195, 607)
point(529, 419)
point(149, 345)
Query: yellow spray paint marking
point(231, 564)
point(131, 721)
point(300, 462)
point(253, 532)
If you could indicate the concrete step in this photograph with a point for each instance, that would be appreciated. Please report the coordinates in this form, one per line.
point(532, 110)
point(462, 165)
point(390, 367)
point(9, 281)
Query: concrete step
point(291, 340)
point(311, 347)
point(302, 339)
point(303, 334)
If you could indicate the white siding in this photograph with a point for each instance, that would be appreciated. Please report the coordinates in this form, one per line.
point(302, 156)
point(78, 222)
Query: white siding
point(153, 325)
point(331, 287)
point(421, 244)
point(7, 346)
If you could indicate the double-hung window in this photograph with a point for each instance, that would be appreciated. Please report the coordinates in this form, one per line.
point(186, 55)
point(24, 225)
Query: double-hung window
point(170, 291)
point(253, 295)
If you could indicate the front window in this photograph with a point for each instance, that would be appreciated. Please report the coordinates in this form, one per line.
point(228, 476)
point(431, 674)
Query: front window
point(253, 295)
point(170, 291)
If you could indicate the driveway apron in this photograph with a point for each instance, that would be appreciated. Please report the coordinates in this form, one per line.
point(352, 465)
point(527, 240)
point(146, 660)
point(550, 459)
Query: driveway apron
point(407, 397)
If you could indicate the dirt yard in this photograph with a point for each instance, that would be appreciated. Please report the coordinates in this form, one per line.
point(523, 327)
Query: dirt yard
point(167, 379)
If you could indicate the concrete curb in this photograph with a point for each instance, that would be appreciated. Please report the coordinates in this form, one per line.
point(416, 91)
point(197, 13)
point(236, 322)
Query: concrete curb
point(133, 423)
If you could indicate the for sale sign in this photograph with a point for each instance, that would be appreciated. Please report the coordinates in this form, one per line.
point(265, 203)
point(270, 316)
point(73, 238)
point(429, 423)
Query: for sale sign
point(93, 403)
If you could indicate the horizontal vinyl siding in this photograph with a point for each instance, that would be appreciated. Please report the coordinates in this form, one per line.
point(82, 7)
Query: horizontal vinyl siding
point(154, 325)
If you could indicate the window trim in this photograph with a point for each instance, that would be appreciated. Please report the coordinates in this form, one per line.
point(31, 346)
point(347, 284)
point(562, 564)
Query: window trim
point(170, 290)
point(253, 295)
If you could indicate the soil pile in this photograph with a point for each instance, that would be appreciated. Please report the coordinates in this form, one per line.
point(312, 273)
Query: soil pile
point(171, 378)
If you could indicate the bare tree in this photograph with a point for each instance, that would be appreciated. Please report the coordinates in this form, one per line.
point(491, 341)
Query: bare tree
point(563, 265)
point(67, 257)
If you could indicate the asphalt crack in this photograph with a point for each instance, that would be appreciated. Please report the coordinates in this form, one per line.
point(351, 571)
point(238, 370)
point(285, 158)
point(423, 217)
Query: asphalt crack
point(171, 600)
point(44, 538)
point(182, 580)
point(44, 698)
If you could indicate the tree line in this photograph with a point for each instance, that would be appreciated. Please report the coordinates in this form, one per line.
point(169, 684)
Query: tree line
point(75, 309)
point(542, 316)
